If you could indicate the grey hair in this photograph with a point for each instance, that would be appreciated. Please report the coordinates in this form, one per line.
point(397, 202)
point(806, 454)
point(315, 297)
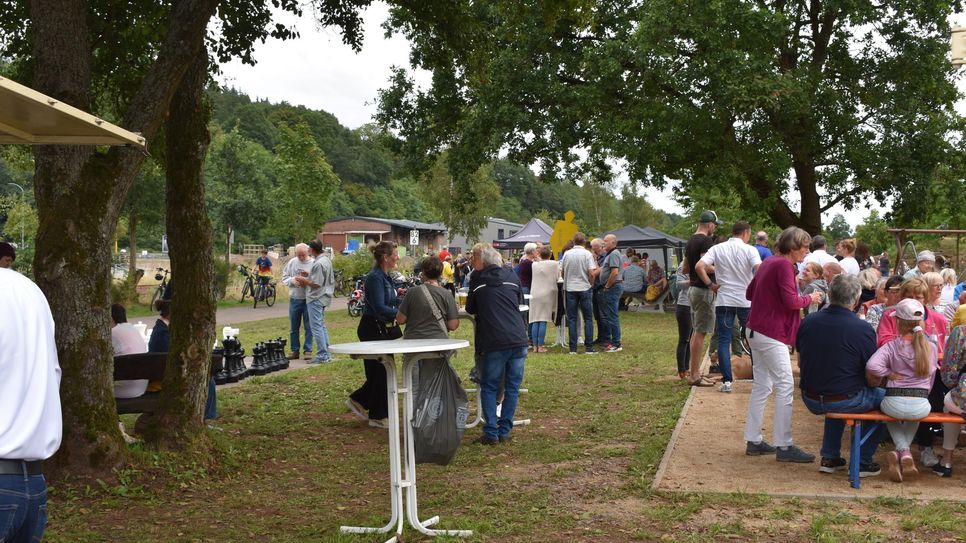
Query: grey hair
point(844, 291)
point(868, 278)
point(529, 248)
point(489, 255)
point(301, 247)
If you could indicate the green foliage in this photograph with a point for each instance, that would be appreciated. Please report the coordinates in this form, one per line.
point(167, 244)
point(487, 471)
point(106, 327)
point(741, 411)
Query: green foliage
point(817, 103)
point(463, 207)
point(239, 176)
point(873, 233)
point(837, 229)
point(305, 184)
point(353, 265)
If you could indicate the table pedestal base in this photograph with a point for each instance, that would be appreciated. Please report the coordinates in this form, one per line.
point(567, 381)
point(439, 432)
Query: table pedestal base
point(398, 479)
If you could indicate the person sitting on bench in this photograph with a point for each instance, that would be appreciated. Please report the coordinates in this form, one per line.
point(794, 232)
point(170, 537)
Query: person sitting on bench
point(656, 282)
point(126, 339)
point(633, 281)
point(953, 373)
point(833, 348)
point(909, 363)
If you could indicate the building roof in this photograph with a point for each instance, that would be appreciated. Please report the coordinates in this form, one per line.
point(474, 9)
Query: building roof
point(637, 237)
point(400, 223)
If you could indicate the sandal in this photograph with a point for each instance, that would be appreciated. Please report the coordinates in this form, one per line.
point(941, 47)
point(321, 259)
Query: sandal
point(701, 382)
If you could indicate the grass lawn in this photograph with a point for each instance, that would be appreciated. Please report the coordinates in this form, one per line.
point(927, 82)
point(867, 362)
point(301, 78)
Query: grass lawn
point(290, 464)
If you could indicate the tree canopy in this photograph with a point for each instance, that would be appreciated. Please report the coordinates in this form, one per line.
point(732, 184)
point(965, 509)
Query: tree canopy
point(788, 107)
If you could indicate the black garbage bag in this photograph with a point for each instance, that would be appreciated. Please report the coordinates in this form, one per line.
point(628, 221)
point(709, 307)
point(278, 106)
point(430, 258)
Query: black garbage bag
point(440, 410)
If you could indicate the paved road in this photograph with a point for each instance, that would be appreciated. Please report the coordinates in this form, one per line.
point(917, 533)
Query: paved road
point(246, 313)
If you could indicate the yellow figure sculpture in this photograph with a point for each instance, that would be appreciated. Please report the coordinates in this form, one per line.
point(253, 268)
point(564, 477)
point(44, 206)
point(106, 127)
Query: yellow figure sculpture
point(563, 231)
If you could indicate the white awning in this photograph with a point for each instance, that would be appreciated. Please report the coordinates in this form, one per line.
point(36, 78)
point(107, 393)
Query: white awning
point(29, 117)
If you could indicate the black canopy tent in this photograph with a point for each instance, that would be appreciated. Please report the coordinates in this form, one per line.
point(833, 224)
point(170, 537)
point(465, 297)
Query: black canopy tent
point(535, 231)
point(636, 237)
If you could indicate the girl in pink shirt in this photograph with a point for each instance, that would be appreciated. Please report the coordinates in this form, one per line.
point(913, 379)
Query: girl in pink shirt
point(909, 363)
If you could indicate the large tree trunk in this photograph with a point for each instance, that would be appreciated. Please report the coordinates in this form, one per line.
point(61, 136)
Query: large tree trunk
point(132, 245)
point(189, 233)
point(79, 197)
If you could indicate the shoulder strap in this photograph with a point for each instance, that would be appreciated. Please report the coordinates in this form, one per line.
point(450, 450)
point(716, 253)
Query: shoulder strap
point(434, 307)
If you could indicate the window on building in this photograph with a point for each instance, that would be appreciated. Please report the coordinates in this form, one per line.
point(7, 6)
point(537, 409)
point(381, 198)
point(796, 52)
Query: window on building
point(499, 233)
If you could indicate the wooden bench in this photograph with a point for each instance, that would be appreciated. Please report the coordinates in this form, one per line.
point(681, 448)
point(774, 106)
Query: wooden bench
point(875, 418)
point(659, 303)
point(148, 366)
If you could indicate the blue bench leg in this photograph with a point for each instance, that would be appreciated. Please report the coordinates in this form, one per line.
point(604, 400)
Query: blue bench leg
point(854, 455)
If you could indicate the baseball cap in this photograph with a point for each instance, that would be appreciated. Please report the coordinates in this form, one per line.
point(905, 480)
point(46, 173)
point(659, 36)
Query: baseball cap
point(709, 216)
point(926, 255)
point(910, 310)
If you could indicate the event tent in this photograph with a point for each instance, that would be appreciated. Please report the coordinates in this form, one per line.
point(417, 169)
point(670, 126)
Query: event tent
point(29, 117)
point(632, 236)
point(535, 231)
point(635, 237)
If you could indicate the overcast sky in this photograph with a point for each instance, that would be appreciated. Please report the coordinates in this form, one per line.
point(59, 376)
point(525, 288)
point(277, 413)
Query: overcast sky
point(320, 72)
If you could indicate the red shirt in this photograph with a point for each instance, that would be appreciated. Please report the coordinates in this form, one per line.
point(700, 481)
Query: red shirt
point(775, 302)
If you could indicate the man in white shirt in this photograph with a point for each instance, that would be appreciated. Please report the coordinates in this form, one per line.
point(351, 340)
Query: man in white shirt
point(30, 413)
point(298, 312)
point(817, 253)
point(734, 263)
point(579, 268)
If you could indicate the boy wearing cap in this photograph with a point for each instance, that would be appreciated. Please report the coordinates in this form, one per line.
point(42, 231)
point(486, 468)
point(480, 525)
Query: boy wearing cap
point(699, 296)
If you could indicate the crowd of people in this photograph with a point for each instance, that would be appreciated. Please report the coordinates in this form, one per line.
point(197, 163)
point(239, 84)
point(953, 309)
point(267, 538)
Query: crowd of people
point(867, 341)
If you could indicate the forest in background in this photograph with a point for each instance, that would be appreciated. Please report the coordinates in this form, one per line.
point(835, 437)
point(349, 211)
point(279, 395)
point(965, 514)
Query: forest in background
point(276, 173)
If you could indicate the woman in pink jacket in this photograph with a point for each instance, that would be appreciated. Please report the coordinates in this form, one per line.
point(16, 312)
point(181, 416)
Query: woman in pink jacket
point(772, 324)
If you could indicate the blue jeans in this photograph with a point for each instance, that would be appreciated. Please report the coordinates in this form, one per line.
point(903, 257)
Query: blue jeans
point(23, 508)
point(724, 326)
point(298, 317)
point(538, 331)
point(610, 302)
point(319, 332)
point(493, 367)
point(583, 300)
point(211, 404)
point(866, 400)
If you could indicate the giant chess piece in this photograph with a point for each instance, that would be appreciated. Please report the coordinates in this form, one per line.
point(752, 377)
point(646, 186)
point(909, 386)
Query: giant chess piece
point(281, 352)
point(236, 361)
point(221, 375)
point(259, 363)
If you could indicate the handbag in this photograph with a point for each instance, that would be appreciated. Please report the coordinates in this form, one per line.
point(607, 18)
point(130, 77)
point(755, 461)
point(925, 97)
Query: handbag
point(387, 330)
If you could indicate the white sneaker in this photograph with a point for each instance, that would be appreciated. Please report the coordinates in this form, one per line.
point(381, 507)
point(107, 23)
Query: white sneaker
point(928, 457)
point(725, 387)
point(379, 423)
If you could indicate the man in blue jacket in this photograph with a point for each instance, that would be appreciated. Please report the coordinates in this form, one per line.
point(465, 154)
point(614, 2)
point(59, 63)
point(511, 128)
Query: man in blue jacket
point(500, 340)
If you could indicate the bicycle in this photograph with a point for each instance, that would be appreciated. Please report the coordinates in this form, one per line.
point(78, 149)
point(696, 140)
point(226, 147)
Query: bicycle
point(248, 289)
point(341, 284)
point(264, 293)
point(161, 275)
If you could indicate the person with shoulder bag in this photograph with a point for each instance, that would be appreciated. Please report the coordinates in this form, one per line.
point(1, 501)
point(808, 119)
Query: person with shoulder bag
point(440, 406)
point(378, 322)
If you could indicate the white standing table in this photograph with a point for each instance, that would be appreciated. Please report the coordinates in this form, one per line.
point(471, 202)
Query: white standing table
point(421, 349)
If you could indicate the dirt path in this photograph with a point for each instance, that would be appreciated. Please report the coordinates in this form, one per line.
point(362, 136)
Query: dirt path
point(247, 313)
point(707, 455)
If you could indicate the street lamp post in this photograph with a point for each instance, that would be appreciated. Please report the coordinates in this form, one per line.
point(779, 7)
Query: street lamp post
point(22, 218)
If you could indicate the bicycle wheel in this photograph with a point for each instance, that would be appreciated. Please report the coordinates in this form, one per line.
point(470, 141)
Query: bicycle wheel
point(257, 295)
point(270, 296)
point(246, 290)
